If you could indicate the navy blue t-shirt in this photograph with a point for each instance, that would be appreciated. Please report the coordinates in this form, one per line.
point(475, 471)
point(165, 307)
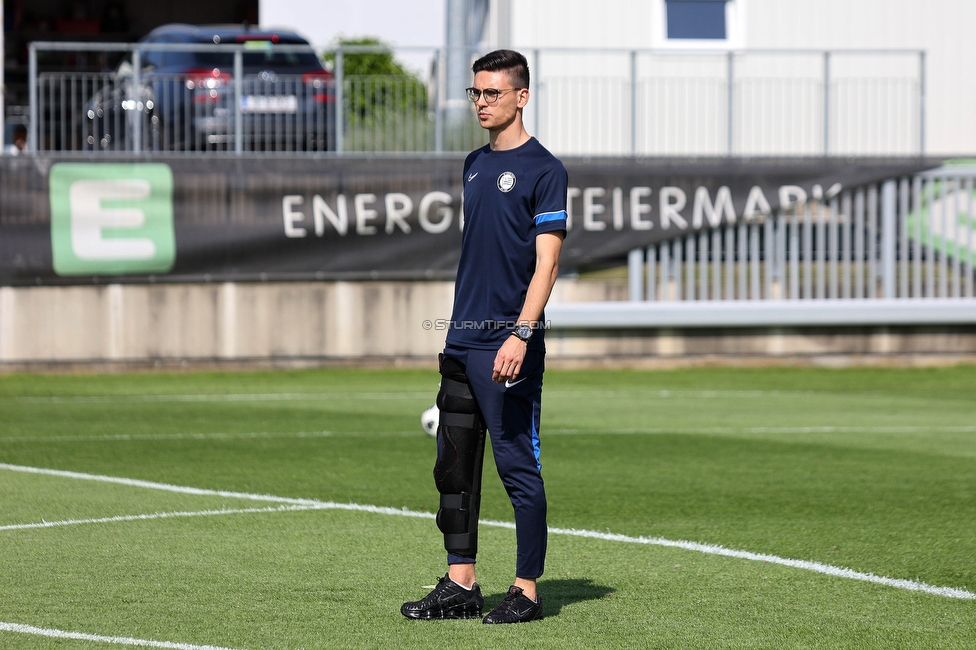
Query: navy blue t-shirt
point(510, 196)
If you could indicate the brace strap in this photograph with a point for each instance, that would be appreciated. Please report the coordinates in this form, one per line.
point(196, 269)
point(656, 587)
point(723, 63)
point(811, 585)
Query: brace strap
point(460, 540)
point(456, 501)
point(460, 420)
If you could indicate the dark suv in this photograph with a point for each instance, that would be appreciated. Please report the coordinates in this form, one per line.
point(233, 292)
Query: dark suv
point(186, 99)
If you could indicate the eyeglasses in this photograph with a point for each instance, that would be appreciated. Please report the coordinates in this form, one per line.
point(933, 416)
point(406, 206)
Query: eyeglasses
point(491, 94)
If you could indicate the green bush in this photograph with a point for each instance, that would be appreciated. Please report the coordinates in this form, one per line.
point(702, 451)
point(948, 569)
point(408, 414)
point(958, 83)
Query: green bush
point(386, 105)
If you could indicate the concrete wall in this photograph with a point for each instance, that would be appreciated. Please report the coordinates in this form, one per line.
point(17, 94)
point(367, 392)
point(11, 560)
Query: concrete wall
point(221, 321)
point(387, 323)
point(916, 345)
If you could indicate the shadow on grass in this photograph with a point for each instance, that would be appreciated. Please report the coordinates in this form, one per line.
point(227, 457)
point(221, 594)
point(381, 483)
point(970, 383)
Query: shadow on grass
point(556, 594)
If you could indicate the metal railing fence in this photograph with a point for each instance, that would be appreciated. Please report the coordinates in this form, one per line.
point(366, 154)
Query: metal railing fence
point(751, 102)
point(910, 238)
point(584, 102)
point(137, 110)
point(175, 113)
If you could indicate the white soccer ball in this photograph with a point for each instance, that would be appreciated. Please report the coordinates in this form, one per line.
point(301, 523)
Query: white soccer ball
point(429, 420)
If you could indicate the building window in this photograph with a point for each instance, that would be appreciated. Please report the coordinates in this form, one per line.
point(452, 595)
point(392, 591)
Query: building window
point(696, 19)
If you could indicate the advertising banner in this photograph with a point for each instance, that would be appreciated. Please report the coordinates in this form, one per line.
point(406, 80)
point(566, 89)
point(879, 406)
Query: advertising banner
point(945, 219)
point(216, 218)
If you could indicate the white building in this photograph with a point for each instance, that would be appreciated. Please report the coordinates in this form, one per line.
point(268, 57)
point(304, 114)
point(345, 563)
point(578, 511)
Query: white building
point(766, 77)
point(879, 103)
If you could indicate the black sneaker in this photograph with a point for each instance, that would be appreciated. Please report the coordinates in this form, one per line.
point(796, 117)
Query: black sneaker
point(447, 600)
point(516, 608)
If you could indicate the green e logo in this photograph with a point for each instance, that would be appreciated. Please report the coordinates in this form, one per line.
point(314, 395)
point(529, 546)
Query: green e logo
point(112, 218)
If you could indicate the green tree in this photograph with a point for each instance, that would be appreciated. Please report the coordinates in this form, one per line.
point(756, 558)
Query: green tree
point(368, 63)
point(385, 104)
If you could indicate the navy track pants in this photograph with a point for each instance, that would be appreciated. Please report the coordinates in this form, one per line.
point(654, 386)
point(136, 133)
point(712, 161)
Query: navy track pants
point(511, 411)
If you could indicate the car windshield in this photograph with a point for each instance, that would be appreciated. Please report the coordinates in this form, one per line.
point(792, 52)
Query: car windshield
point(265, 59)
point(258, 55)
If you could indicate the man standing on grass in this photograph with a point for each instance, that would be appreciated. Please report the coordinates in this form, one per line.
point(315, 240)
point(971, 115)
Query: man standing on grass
point(491, 369)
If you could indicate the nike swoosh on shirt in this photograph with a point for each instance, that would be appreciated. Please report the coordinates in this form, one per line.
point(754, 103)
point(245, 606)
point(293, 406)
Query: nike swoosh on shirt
point(509, 383)
point(471, 176)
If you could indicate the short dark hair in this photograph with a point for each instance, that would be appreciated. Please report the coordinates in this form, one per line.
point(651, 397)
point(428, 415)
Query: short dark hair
point(508, 61)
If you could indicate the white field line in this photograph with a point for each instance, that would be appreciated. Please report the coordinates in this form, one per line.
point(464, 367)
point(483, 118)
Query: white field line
point(289, 397)
point(665, 393)
point(96, 638)
point(179, 489)
point(219, 397)
point(827, 569)
point(710, 549)
point(161, 515)
point(121, 437)
point(809, 429)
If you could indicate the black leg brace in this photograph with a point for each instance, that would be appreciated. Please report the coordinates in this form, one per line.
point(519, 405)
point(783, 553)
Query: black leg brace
point(460, 455)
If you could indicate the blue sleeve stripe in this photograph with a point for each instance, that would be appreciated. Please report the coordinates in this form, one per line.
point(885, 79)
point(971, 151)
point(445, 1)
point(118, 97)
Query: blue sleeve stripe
point(550, 216)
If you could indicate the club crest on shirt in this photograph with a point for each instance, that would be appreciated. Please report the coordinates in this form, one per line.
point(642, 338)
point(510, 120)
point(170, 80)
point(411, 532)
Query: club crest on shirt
point(506, 181)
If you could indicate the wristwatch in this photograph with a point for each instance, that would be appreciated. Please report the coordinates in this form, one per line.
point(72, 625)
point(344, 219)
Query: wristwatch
point(523, 332)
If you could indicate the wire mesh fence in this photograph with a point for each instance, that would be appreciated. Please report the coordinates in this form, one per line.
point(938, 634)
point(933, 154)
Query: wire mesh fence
point(600, 102)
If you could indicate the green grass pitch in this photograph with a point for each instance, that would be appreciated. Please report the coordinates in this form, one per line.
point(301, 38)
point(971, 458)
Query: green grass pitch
point(872, 470)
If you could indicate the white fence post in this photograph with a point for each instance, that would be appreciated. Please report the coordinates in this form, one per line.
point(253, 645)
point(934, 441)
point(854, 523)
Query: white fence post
point(635, 274)
point(633, 102)
point(888, 230)
point(730, 94)
point(652, 273)
point(135, 96)
point(238, 100)
point(338, 79)
point(33, 142)
point(826, 103)
point(921, 103)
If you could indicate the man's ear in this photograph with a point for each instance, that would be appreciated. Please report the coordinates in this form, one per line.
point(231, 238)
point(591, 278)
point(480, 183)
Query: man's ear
point(523, 97)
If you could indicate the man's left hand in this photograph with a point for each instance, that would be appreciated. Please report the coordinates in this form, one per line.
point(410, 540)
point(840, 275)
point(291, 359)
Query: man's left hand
point(508, 361)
